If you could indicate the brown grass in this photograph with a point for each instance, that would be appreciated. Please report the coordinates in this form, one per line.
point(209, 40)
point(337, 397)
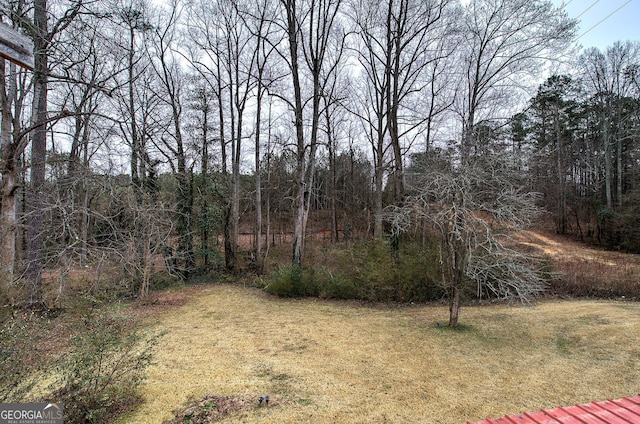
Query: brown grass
point(334, 362)
point(584, 271)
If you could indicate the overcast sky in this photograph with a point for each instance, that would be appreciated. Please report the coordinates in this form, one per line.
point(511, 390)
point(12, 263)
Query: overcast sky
point(622, 24)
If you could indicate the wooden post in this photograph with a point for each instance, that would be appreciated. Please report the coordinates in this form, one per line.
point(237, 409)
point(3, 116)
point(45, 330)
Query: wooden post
point(16, 47)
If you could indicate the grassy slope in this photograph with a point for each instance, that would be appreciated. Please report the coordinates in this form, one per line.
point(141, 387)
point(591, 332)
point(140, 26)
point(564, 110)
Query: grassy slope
point(587, 271)
point(344, 363)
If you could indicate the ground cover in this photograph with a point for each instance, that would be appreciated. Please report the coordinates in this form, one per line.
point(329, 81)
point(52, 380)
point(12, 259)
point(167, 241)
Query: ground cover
point(342, 362)
point(583, 271)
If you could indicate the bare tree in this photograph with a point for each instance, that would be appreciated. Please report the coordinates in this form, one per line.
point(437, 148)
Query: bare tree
point(48, 42)
point(504, 41)
point(259, 21)
point(226, 57)
point(239, 62)
point(11, 147)
point(13, 142)
point(474, 210)
point(133, 17)
point(400, 46)
point(201, 109)
point(332, 123)
point(43, 39)
point(309, 27)
point(414, 31)
point(173, 146)
point(83, 80)
point(38, 151)
point(205, 32)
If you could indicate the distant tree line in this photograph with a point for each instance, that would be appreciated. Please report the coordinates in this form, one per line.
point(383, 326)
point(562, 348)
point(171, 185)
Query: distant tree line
point(166, 130)
point(581, 135)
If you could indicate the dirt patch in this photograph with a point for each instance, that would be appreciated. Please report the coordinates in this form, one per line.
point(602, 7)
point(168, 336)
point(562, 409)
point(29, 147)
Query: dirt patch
point(561, 247)
point(163, 301)
point(212, 408)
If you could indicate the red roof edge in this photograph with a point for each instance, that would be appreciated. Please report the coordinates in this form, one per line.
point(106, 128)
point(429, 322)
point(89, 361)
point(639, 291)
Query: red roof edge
point(620, 411)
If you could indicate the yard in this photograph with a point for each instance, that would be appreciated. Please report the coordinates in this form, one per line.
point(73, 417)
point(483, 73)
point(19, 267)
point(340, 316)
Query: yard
point(339, 362)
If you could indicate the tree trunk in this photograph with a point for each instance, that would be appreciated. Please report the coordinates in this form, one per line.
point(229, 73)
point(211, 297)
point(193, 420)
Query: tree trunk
point(135, 144)
point(392, 113)
point(235, 184)
point(561, 226)
point(184, 223)
point(185, 192)
point(454, 306)
point(204, 172)
point(301, 191)
point(9, 188)
point(619, 172)
point(257, 174)
point(7, 224)
point(35, 255)
point(229, 253)
point(268, 199)
point(311, 166)
point(458, 253)
point(378, 180)
point(332, 183)
point(459, 259)
point(234, 207)
point(608, 166)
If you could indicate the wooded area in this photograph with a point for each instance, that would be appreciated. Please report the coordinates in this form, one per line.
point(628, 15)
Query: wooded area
point(164, 131)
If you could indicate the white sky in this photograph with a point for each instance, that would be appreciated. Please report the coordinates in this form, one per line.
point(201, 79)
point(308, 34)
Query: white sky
point(603, 22)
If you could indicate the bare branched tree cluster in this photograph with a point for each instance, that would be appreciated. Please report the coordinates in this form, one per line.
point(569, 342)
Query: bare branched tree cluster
point(183, 132)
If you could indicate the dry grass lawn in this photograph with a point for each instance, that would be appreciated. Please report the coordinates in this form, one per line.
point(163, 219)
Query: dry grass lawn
point(332, 362)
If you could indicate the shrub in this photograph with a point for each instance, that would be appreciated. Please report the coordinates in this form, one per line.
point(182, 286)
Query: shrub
point(410, 277)
point(337, 286)
point(374, 271)
point(418, 273)
point(164, 280)
point(595, 278)
point(368, 271)
point(100, 375)
point(292, 281)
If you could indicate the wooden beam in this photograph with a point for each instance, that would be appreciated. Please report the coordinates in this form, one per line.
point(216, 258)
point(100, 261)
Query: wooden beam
point(16, 47)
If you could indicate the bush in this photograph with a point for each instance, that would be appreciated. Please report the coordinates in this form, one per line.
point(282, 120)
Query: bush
point(100, 375)
point(368, 271)
point(337, 287)
point(291, 281)
point(374, 271)
point(410, 277)
point(418, 273)
point(164, 280)
point(595, 278)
